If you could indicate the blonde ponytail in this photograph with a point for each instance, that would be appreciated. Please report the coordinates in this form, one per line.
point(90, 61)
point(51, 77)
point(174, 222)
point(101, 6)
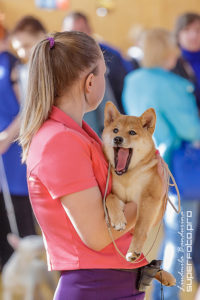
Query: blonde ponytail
point(40, 96)
point(52, 70)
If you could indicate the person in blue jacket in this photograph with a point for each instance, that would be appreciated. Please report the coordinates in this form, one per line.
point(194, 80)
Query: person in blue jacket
point(187, 32)
point(11, 154)
point(177, 119)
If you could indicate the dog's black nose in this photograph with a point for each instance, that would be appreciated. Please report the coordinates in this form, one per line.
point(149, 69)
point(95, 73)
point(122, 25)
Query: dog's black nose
point(118, 140)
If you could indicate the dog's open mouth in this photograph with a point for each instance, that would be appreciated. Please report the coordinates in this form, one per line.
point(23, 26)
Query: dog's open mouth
point(122, 159)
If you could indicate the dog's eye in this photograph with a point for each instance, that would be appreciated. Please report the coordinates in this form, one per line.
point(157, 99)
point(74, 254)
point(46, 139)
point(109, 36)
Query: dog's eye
point(132, 132)
point(115, 130)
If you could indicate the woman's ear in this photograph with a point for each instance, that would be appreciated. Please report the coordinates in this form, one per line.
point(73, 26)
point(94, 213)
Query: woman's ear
point(89, 83)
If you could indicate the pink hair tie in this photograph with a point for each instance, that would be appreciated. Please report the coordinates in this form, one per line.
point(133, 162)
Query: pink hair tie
point(51, 42)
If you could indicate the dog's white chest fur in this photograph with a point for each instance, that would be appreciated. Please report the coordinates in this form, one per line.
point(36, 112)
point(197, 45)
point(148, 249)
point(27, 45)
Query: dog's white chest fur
point(129, 186)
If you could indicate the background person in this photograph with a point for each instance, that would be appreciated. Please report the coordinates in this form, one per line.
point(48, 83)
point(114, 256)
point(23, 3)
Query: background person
point(135, 52)
point(26, 34)
point(11, 152)
point(177, 120)
point(187, 32)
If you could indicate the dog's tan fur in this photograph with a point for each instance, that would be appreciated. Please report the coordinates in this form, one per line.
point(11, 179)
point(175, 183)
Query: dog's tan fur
point(141, 182)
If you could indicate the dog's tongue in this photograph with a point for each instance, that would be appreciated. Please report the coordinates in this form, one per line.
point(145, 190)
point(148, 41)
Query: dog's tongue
point(122, 155)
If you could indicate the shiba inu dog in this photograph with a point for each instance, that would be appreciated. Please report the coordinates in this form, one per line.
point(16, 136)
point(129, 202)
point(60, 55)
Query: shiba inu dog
point(129, 147)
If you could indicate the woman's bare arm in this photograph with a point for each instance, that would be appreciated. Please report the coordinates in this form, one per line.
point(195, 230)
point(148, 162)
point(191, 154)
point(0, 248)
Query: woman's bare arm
point(85, 210)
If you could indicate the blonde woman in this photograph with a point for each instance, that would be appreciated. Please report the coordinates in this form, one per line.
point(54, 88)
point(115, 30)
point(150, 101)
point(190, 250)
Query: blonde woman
point(10, 158)
point(177, 120)
point(67, 171)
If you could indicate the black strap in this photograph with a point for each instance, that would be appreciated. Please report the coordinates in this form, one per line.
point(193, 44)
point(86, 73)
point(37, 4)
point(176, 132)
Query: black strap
point(129, 270)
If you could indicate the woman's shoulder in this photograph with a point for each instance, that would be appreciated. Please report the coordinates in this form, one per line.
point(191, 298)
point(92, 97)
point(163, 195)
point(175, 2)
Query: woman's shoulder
point(8, 57)
point(169, 80)
point(135, 74)
point(52, 130)
point(54, 137)
point(148, 75)
point(180, 82)
point(7, 62)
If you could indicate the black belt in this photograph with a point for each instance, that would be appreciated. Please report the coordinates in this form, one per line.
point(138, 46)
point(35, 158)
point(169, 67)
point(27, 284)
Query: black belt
point(129, 270)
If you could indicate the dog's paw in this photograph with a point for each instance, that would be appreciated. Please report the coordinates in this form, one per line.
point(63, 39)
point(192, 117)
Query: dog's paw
point(119, 223)
point(166, 278)
point(132, 256)
point(119, 226)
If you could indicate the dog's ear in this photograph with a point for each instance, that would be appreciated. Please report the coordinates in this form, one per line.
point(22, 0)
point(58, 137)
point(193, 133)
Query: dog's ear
point(13, 240)
point(110, 113)
point(148, 119)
